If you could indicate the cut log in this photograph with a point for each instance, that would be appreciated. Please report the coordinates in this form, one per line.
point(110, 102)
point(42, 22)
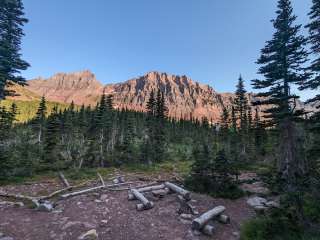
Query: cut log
point(92, 189)
point(208, 230)
point(224, 219)
point(160, 193)
point(145, 189)
point(151, 188)
point(201, 221)
point(179, 190)
point(141, 207)
point(64, 180)
point(34, 201)
point(185, 207)
point(146, 203)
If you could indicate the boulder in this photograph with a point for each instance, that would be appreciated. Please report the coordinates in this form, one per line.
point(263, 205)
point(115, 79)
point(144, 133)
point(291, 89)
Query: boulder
point(90, 235)
point(256, 201)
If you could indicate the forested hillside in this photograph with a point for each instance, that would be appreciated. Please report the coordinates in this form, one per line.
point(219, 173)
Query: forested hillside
point(270, 136)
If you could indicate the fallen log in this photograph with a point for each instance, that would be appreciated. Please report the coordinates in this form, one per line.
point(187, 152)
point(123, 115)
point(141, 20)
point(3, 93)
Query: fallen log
point(201, 221)
point(33, 200)
point(101, 179)
point(179, 190)
point(93, 189)
point(141, 207)
point(64, 180)
point(208, 230)
point(145, 189)
point(224, 219)
point(146, 203)
point(160, 193)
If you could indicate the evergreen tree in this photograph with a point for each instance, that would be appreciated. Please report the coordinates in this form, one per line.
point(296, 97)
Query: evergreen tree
point(11, 22)
point(40, 118)
point(241, 104)
point(51, 151)
point(281, 64)
point(151, 104)
point(314, 84)
point(314, 39)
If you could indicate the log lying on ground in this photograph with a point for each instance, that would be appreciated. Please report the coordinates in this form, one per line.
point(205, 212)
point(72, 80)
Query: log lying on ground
point(145, 189)
point(208, 230)
point(224, 219)
point(201, 221)
point(64, 180)
point(93, 189)
point(160, 193)
point(33, 200)
point(146, 203)
point(141, 207)
point(179, 190)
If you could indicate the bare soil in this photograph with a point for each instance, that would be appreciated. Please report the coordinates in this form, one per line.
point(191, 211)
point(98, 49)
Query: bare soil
point(113, 217)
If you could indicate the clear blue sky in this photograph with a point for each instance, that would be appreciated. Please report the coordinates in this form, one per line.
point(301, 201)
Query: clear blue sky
point(212, 41)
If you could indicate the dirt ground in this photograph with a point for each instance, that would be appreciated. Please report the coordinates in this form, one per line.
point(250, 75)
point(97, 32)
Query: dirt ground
point(113, 217)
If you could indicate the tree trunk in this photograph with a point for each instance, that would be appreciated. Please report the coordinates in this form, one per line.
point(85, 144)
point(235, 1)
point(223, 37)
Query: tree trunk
point(201, 221)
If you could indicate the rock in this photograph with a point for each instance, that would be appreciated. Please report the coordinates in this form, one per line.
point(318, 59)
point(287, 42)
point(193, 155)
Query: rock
point(98, 201)
point(186, 216)
point(1, 234)
point(45, 207)
point(104, 222)
point(6, 238)
point(272, 204)
point(103, 197)
point(236, 234)
point(256, 201)
point(70, 224)
point(119, 179)
point(260, 209)
point(90, 235)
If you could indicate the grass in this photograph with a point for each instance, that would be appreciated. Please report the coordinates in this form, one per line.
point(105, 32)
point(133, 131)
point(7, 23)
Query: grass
point(180, 168)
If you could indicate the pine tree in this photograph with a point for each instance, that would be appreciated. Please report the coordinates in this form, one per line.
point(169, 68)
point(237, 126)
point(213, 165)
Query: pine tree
point(314, 39)
point(11, 22)
point(51, 151)
point(151, 104)
point(40, 118)
point(314, 84)
point(241, 104)
point(281, 63)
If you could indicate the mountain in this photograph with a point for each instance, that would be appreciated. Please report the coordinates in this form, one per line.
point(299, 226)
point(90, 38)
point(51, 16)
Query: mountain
point(184, 97)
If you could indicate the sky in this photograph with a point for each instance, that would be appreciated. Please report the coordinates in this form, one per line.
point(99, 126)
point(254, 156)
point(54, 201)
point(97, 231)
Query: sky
point(211, 41)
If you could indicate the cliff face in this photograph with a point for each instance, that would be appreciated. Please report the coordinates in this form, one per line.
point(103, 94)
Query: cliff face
point(184, 97)
point(80, 87)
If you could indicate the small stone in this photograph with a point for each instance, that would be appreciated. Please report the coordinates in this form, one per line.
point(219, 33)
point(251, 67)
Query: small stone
point(103, 197)
point(186, 216)
point(104, 222)
point(1, 234)
point(273, 204)
point(45, 207)
point(90, 235)
point(256, 201)
point(6, 238)
point(98, 201)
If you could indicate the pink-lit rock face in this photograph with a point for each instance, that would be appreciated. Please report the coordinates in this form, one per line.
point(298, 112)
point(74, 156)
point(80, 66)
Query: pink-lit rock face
point(184, 97)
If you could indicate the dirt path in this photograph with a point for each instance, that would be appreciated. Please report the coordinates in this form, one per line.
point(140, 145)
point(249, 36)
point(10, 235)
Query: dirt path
point(113, 217)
